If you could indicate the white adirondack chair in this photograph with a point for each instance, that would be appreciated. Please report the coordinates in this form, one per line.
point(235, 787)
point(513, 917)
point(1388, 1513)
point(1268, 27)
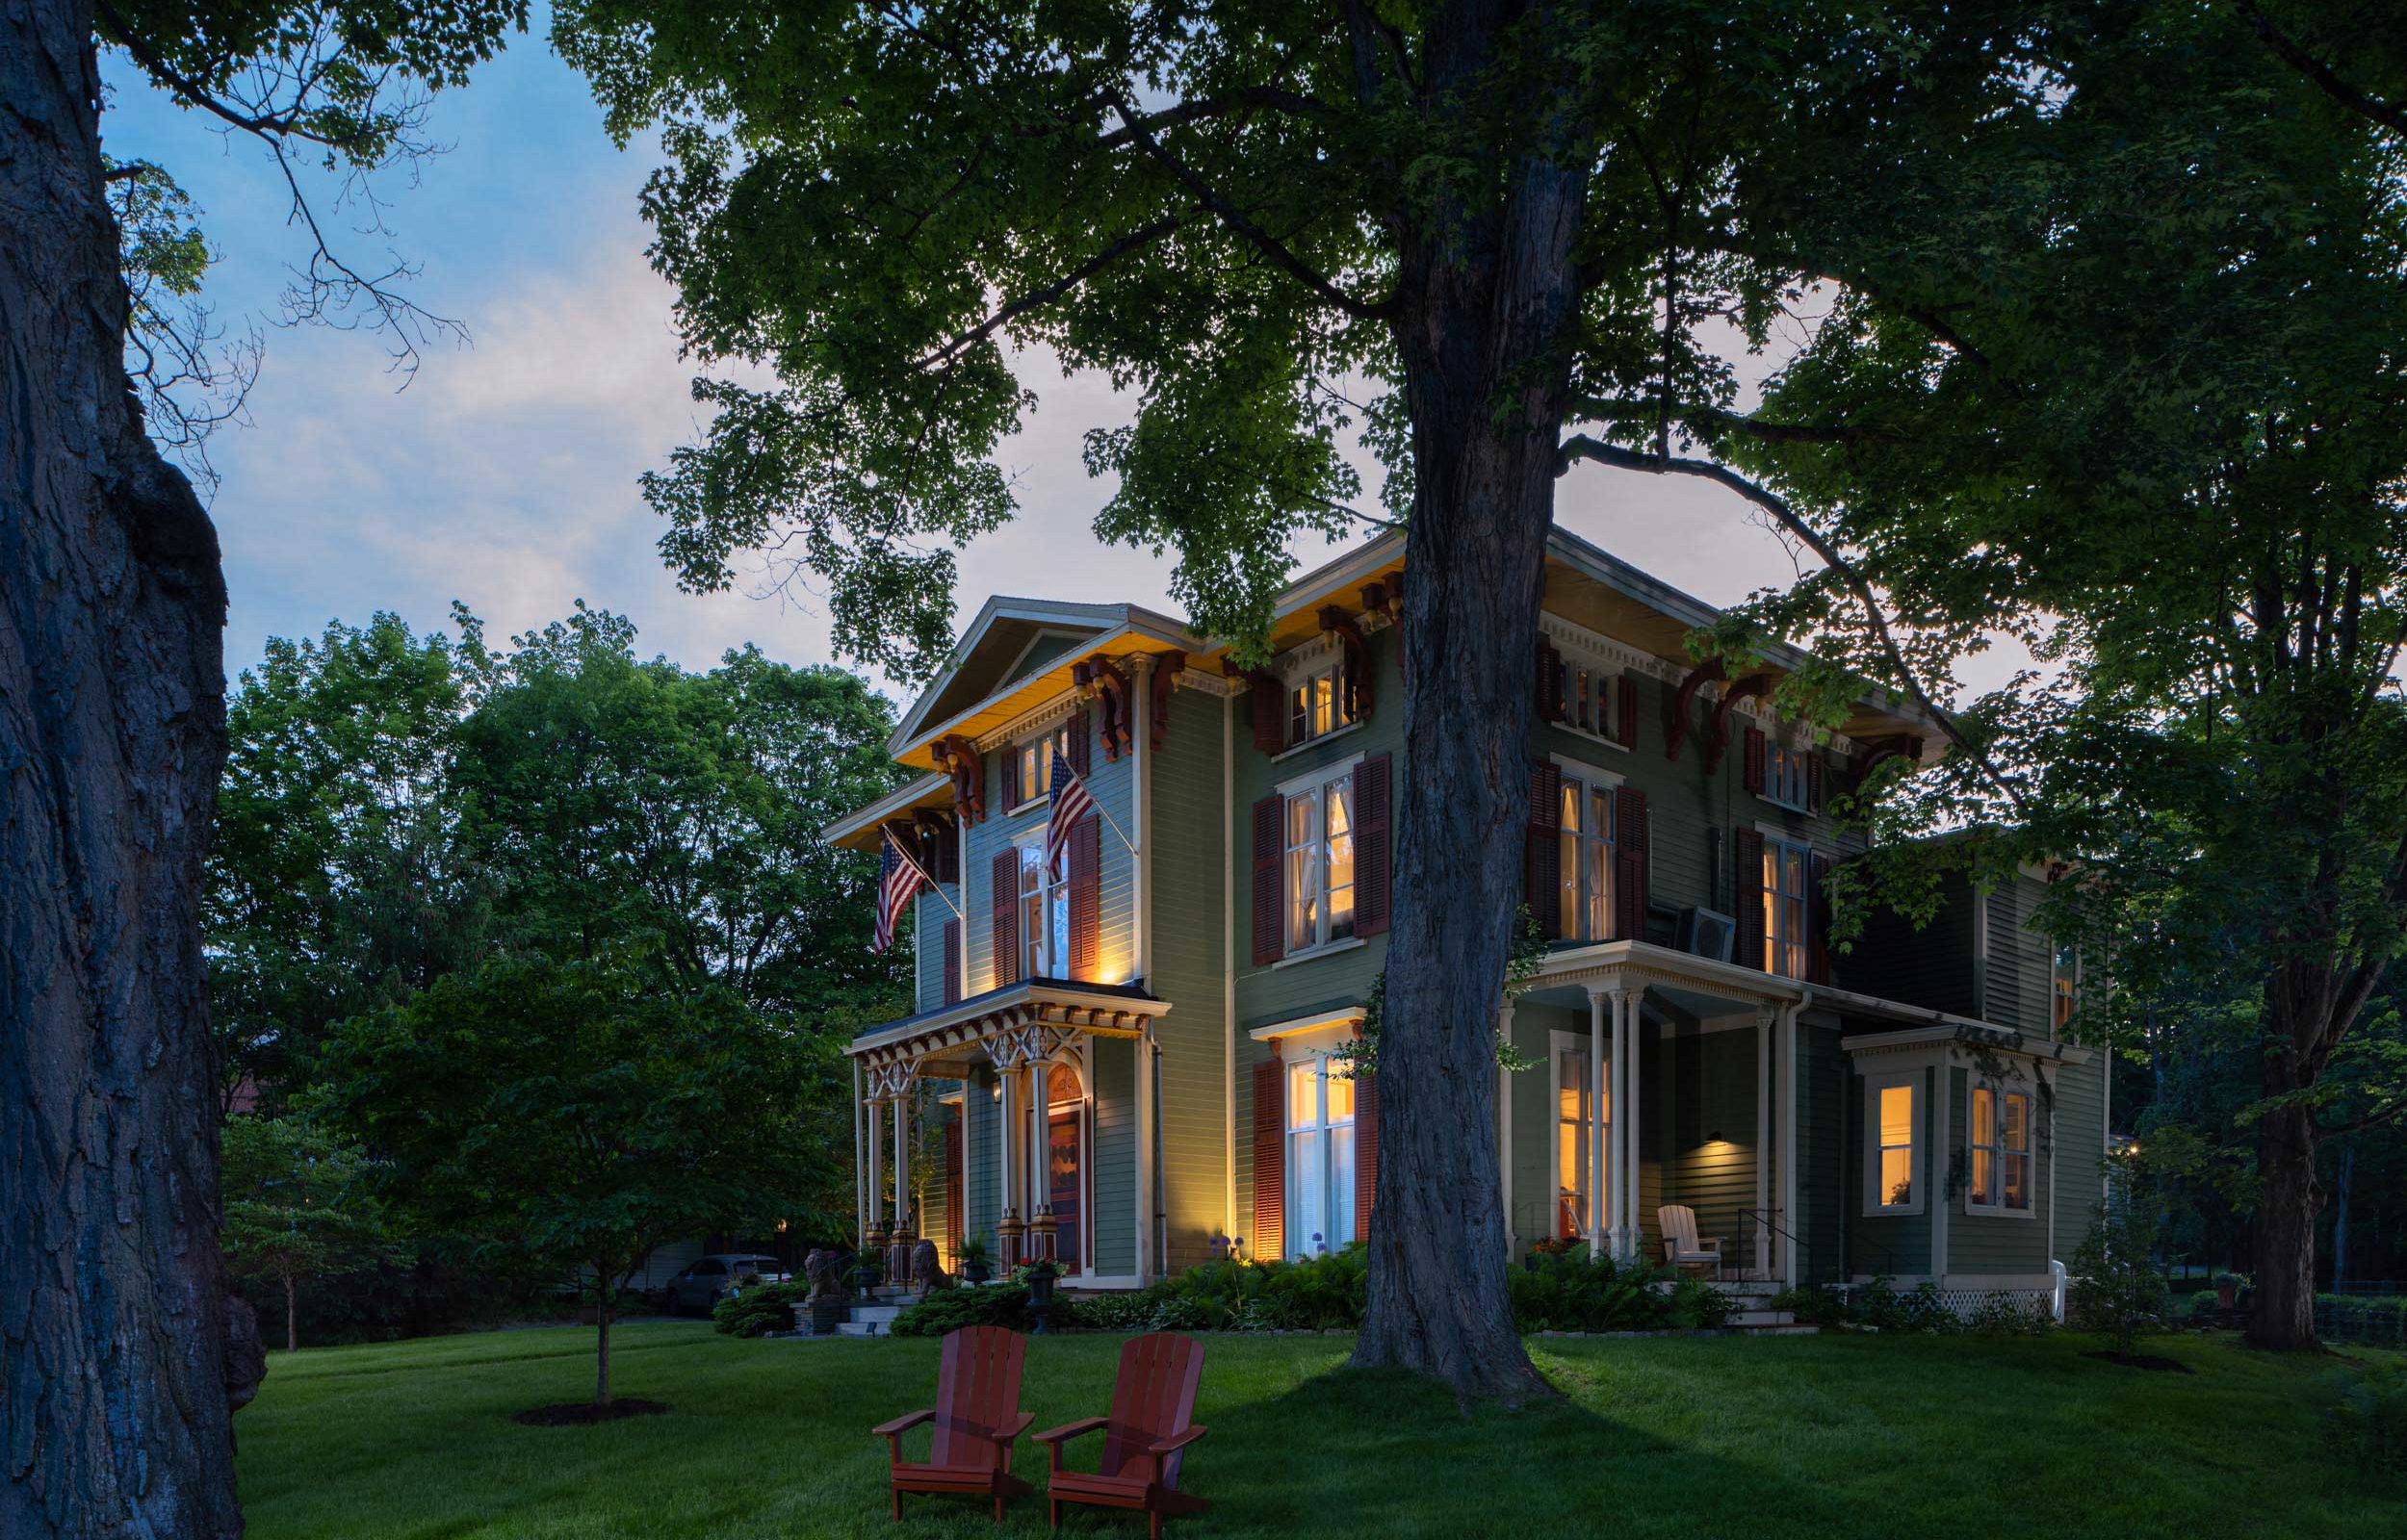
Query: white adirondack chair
point(1681, 1247)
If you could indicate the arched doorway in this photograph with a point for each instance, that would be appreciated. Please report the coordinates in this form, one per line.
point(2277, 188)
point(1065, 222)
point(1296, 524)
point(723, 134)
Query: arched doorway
point(1066, 1163)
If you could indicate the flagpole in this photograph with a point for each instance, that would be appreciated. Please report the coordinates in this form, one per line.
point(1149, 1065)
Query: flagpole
point(933, 887)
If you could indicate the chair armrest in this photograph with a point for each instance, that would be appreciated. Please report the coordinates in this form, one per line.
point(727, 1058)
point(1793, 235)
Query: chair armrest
point(1177, 1441)
point(1711, 1244)
point(1069, 1430)
point(902, 1423)
point(1013, 1429)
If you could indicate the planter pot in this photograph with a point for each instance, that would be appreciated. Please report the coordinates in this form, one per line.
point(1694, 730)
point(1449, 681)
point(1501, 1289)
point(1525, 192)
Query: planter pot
point(2227, 1295)
point(976, 1272)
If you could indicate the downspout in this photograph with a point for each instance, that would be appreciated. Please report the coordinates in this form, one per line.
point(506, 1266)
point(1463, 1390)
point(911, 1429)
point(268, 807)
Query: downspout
point(1228, 961)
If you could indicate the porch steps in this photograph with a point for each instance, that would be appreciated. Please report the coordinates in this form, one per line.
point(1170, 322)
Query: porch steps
point(868, 1320)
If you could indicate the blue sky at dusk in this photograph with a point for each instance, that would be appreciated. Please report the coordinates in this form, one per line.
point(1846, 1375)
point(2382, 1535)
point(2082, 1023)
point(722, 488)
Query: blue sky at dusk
point(506, 473)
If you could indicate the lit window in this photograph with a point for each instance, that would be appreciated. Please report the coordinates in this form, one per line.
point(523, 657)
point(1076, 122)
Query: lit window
point(1786, 780)
point(1044, 918)
point(1587, 697)
point(2001, 1150)
point(1320, 1157)
point(1893, 1160)
point(1572, 1093)
point(1787, 869)
point(1317, 704)
point(1584, 861)
point(2065, 986)
point(1320, 864)
point(1036, 761)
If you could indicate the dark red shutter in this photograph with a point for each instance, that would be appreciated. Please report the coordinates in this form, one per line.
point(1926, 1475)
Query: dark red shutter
point(1753, 759)
point(1086, 898)
point(1270, 714)
point(945, 842)
point(1817, 918)
point(954, 1227)
point(1081, 742)
point(952, 960)
point(1747, 894)
point(1365, 1151)
point(1006, 917)
point(1270, 1160)
point(1371, 865)
point(1011, 777)
point(1630, 864)
point(1270, 920)
point(1813, 783)
point(1625, 727)
point(1548, 681)
point(1541, 858)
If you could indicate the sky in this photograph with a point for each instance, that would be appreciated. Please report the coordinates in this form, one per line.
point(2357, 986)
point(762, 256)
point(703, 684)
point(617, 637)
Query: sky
point(505, 474)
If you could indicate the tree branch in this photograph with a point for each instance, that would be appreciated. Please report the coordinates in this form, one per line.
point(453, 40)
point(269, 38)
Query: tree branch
point(2389, 115)
point(1709, 418)
point(1237, 220)
point(1207, 108)
point(1136, 239)
point(1582, 446)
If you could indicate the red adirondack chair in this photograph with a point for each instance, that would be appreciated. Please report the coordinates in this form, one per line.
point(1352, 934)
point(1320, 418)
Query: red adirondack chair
point(1152, 1420)
point(976, 1415)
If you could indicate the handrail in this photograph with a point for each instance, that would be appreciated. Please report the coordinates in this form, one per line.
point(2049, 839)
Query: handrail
point(1764, 1216)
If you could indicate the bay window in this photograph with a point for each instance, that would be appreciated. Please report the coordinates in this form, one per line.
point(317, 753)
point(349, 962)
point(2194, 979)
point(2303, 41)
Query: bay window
point(1320, 1156)
point(1584, 832)
point(2000, 1152)
point(1320, 863)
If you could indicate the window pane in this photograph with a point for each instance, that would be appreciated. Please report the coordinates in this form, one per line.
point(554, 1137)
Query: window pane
point(1338, 1087)
point(1897, 1115)
point(1299, 715)
point(1307, 1193)
point(1984, 1116)
point(2018, 1181)
point(1304, 1093)
point(1896, 1177)
point(1340, 798)
point(2017, 1122)
point(1984, 1176)
point(1341, 1187)
point(1600, 889)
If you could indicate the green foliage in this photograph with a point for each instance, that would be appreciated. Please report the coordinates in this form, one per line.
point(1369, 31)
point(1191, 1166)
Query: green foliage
point(299, 1205)
point(2117, 1290)
point(1570, 1290)
point(2369, 1426)
point(762, 1308)
point(993, 1304)
point(1521, 966)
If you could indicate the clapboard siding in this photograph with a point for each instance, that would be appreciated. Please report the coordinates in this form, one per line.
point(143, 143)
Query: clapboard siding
point(1822, 1218)
point(1933, 966)
point(1191, 866)
point(1893, 1244)
point(928, 943)
point(981, 1195)
point(1112, 785)
point(1709, 1088)
point(2080, 1151)
point(1114, 1151)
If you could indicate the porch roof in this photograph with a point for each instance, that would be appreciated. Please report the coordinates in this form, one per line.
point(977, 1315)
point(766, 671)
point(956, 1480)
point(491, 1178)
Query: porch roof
point(1004, 1026)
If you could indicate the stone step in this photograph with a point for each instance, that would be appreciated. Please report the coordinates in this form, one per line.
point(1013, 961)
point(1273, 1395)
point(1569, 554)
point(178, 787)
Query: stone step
point(861, 1328)
point(1788, 1328)
point(1761, 1318)
point(877, 1312)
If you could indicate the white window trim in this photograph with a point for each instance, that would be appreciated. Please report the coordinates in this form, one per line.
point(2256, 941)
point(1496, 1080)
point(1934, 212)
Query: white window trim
point(1292, 750)
point(1307, 954)
point(1558, 1043)
point(1288, 789)
point(1801, 806)
point(1920, 1149)
point(1033, 839)
point(1586, 771)
point(1774, 834)
point(1331, 1244)
point(2031, 1116)
point(1585, 736)
point(1314, 780)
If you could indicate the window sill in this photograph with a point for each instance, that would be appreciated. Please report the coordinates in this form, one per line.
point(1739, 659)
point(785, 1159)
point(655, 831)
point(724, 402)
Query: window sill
point(1999, 1211)
point(1313, 953)
point(1911, 1211)
point(1331, 736)
point(1771, 801)
point(1592, 735)
point(1029, 805)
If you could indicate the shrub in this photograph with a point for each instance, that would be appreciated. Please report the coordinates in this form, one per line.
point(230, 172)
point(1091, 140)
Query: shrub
point(758, 1310)
point(2117, 1290)
point(2006, 1315)
point(1816, 1306)
point(997, 1304)
point(2369, 1426)
point(1572, 1292)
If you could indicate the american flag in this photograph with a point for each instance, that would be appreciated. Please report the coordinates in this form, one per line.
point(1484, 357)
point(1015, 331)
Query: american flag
point(1070, 806)
point(899, 882)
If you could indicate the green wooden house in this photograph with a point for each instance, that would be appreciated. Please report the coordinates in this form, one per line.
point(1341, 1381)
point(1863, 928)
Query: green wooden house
point(1127, 1064)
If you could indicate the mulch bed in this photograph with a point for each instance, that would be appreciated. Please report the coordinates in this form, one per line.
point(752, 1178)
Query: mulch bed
point(577, 1414)
point(2142, 1361)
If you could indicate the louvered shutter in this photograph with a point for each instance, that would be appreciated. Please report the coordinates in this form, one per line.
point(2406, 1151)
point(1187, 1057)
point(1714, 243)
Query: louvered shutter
point(1541, 858)
point(1269, 901)
point(1625, 724)
point(1813, 783)
point(952, 962)
point(1006, 917)
point(1752, 760)
point(1081, 742)
point(1270, 714)
point(1086, 898)
point(1372, 866)
point(1270, 1160)
point(954, 1225)
point(1817, 919)
point(944, 840)
point(1365, 1151)
point(1548, 681)
point(1747, 894)
point(1631, 860)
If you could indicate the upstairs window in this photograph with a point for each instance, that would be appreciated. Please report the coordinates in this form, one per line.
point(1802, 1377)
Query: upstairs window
point(2064, 987)
point(1044, 918)
point(1585, 834)
point(1786, 778)
point(1318, 703)
point(2001, 1150)
point(1320, 864)
point(1032, 765)
point(1787, 871)
point(1584, 692)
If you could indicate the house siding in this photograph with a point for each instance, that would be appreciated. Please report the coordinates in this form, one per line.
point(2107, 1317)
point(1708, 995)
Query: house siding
point(1823, 1085)
point(1890, 1244)
point(933, 909)
point(2080, 1151)
point(1113, 1148)
point(1191, 865)
point(1709, 1087)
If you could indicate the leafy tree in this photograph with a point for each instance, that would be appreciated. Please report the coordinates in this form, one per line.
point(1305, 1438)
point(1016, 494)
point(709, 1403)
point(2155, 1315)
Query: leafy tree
point(112, 606)
point(1458, 230)
point(298, 1205)
point(579, 1114)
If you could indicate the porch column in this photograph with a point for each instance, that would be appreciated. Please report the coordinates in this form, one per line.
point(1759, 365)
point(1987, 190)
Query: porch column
point(1760, 1260)
point(1505, 1014)
point(1604, 1030)
point(1626, 1117)
point(1784, 1062)
point(1040, 1189)
point(860, 1162)
point(902, 1165)
point(873, 1229)
point(1007, 1133)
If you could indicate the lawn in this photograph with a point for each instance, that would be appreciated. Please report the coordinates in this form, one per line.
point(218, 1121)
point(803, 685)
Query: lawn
point(1678, 1437)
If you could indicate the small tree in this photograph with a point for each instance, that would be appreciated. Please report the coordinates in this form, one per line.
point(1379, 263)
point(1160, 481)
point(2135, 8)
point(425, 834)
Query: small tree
point(2117, 1290)
point(298, 1205)
point(584, 1113)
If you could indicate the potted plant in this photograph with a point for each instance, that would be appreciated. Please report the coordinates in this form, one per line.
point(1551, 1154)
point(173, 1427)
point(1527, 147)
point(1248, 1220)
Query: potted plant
point(2227, 1288)
point(977, 1264)
point(869, 1268)
point(1040, 1277)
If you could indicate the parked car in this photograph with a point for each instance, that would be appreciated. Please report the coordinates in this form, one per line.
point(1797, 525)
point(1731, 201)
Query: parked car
point(708, 1280)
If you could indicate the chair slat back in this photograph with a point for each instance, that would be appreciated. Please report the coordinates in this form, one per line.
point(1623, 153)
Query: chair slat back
point(1153, 1399)
point(1678, 1224)
point(977, 1389)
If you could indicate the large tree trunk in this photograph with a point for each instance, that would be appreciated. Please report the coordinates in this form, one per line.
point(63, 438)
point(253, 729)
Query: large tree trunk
point(1479, 300)
point(115, 1371)
point(2282, 1314)
point(601, 1349)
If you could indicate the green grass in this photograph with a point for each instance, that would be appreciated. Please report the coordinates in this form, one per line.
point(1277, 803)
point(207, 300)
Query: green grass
point(1683, 1438)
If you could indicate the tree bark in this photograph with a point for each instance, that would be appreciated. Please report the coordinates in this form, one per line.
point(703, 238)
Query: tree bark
point(114, 1371)
point(292, 1317)
point(2282, 1313)
point(1484, 301)
point(602, 1348)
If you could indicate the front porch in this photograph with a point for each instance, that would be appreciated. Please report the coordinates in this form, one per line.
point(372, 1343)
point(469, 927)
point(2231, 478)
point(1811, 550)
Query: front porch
point(1054, 1119)
point(1661, 1079)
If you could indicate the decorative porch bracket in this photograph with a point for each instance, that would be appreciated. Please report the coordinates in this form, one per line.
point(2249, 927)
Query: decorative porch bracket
point(1683, 708)
point(1757, 685)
